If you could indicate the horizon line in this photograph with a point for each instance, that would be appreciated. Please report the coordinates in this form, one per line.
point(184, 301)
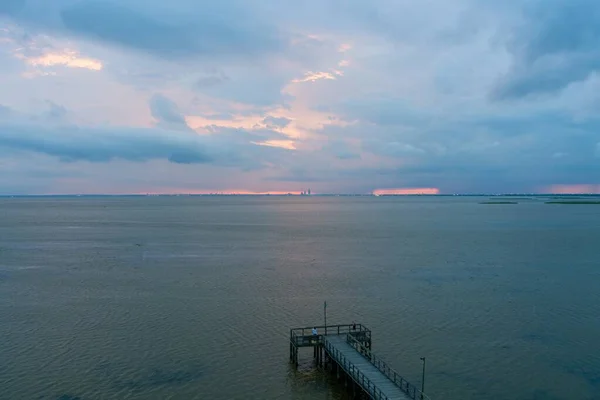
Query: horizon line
point(291, 194)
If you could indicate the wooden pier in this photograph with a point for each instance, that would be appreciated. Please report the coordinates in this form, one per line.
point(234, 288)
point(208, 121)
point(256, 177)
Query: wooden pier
point(345, 350)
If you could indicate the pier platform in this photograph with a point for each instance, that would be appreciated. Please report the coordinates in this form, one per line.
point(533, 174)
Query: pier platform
point(345, 350)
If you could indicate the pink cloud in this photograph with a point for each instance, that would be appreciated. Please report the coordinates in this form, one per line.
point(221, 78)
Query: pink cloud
point(573, 189)
point(406, 191)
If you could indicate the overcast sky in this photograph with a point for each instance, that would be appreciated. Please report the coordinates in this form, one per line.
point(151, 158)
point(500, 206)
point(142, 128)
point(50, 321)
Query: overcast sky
point(354, 96)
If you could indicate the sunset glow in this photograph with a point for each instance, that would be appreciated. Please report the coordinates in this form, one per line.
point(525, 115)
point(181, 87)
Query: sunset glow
point(406, 191)
point(284, 144)
point(66, 58)
point(228, 192)
point(315, 76)
point(574, 189)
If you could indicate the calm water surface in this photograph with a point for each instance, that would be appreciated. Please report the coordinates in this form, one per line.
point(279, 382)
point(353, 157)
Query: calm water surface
point(192, 298)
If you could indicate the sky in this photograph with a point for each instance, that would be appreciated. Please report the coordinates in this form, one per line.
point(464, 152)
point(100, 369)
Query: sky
point(264, 96)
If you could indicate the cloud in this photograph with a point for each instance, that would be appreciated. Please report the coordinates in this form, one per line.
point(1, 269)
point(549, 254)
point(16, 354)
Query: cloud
point(315, 76)
point(5, 111)
point(276, 122)
point(494, 150)
point(556, 46)
point(182, 30)
point(380, 94)
point(11, 6)
point(66, 58)
point(104, 144)
point(52, 113)
point(166, 112)
point(211, 80)
point(341, 150)
point(392, 148)
point(219, 116)
point(301, 174)
point(283, 144)
point(253, 54)
point(171, 140)
point(55, 111)
point(381, 110)
point(260, 86)
point(71, 143)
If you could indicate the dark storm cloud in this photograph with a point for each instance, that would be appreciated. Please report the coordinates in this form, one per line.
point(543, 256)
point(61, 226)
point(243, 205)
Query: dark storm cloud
point(470, 153)
point(165, 111)
point(188, 29)
point(557, 45)
point(224, 147)
point(70, 143)
point(171, 140)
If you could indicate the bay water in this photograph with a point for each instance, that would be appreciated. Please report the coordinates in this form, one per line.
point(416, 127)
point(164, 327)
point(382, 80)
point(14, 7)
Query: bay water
point(193, 297)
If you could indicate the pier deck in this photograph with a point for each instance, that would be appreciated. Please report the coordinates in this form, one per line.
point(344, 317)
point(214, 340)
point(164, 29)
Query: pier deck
point(346, 351)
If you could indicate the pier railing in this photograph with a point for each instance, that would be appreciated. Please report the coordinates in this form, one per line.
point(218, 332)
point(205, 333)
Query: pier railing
point(408, 388)
point(355, 372)
point(304, 336)
point(331, 330)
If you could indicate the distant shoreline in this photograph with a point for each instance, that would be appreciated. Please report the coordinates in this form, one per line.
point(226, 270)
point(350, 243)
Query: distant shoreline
point(511, 196)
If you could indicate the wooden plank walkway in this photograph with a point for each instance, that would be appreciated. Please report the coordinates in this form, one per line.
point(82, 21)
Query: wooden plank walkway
point(346, 349)
point(364, 373)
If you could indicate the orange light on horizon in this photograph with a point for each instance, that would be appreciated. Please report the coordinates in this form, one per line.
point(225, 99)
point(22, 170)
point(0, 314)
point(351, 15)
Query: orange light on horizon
point(227, 192)
point(573, 189)
point(406, 191)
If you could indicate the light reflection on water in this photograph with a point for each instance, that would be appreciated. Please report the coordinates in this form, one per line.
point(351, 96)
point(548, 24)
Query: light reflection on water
point(183, 298)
